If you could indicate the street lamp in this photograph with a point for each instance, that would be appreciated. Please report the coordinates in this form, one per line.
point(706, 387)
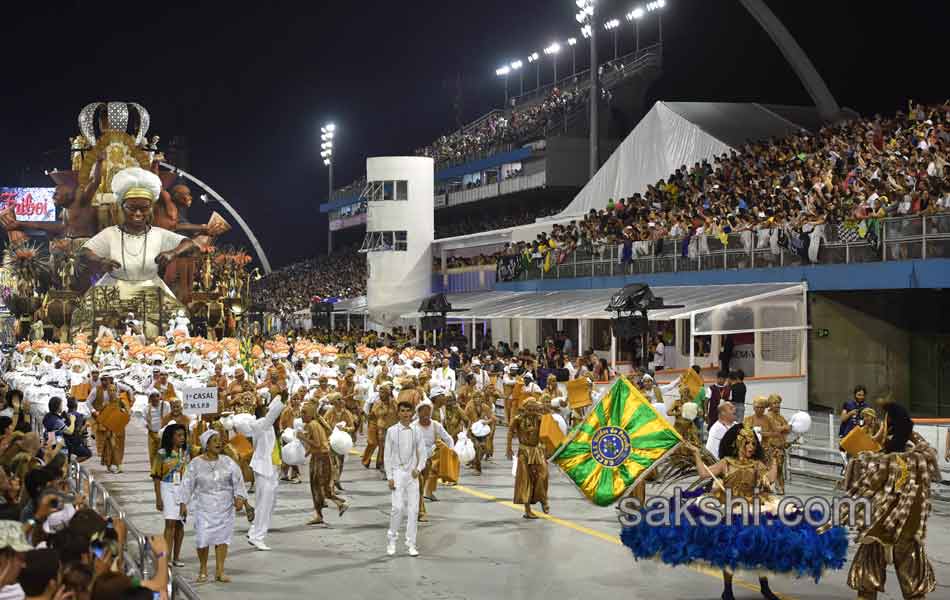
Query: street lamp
point(503, 72)
point(552, 50)
point(635, 15)
point(534, 58)
point(516, 66)
point(572, 42)
point(612, 25)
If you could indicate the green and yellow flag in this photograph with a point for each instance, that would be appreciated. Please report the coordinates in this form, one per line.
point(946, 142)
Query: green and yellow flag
point(621, 438)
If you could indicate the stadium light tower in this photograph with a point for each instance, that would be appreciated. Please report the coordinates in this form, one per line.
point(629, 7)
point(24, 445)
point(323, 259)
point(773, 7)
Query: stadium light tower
point(503, 72)
point(613, 25)
point(655, 6)
point(516, 66)
point(636, 15)
point(572, 42)
point(327, 132)
point(552, 50)
point(534, 58)
point(588, 21)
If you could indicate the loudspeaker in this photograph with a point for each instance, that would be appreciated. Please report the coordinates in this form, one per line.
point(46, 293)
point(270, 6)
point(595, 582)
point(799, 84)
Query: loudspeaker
point(433, 323)
point(435, 304)
point(635, 296)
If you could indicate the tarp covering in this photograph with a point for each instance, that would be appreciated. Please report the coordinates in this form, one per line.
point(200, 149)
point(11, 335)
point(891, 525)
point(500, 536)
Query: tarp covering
point(673, 134)
point(589, 304)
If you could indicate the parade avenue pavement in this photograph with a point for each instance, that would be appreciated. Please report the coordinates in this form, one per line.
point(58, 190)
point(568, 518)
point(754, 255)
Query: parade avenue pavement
point(475, 545)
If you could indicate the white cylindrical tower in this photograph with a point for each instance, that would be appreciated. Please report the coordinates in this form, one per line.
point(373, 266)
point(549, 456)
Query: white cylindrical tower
point(399, 229)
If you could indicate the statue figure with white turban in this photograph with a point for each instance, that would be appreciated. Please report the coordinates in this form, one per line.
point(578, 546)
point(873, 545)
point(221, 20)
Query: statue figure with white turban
point(132, 254)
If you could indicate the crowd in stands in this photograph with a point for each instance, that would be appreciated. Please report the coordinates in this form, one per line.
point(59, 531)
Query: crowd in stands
point(288, 289)
point(501, 129)
point(790, 194)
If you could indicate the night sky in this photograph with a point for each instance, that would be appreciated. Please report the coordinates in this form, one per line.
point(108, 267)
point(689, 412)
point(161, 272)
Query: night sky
point(249, 84)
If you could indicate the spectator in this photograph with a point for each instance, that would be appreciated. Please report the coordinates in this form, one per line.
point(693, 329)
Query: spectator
point(851, 413)
point(737, 392)
point(39, 578)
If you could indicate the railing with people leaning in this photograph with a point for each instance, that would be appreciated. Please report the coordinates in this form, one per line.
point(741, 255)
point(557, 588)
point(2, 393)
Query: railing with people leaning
point(897, 238)
point(140, 561)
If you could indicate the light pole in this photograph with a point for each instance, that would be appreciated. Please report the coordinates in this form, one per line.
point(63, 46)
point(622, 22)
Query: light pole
point(587, 20)
point(552, 50)
point(326, 151)
point(613, 25)
point(534, 58)
point(656, 5)
point(635, 15)
point(503, 72)
point(572, 42)
point(516, 66)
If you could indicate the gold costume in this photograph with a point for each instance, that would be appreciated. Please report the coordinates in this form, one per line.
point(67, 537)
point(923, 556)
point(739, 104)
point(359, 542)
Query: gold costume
point(531, 475)
point(321, 466)
point(383, 415)
point(898, 484)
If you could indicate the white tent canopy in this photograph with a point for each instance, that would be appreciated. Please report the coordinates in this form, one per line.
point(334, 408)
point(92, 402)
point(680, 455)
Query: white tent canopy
point(673, 134)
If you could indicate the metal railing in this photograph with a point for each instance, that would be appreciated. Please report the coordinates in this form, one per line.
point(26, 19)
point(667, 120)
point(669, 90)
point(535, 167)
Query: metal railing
point(900, 238)
point(140, 560)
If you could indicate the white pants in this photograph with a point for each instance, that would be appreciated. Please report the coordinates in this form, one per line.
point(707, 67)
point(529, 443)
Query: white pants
point(265, 497)
point(405, 503)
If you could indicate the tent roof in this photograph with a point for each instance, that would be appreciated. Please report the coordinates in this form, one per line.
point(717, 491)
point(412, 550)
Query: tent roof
point(735, 123)
point(589, 304)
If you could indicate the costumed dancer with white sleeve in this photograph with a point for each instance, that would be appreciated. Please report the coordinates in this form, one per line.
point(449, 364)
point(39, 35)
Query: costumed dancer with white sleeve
point(404, 457)
point(266, 466)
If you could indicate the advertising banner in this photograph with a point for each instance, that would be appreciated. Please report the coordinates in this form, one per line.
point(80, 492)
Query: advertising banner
point(29, 204)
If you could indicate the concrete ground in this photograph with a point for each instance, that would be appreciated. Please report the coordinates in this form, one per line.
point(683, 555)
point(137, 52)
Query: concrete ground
point(475, 546)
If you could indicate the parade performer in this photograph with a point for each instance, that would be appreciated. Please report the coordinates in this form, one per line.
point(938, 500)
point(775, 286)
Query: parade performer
point(265, 462)
point(433, 434)
point(110, 444)
point(777, 444)
point(314, 437)
point(154, 414)
point(758, 542)
point(383, 415)
point(214, 487)
point(338, 417)
point(898, 482)
point(531, 474)
point(168, 470)
point(405, 455)
point(453, 418)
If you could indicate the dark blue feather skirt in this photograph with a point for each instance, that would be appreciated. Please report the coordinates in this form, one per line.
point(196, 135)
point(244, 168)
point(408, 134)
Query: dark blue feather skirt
point(770, 545)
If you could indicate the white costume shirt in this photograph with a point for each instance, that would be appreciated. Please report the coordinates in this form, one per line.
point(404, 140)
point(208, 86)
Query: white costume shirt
point(716, 433)
point(265, 438)
point(429, 434)
point(404, 450)
point(444, 377)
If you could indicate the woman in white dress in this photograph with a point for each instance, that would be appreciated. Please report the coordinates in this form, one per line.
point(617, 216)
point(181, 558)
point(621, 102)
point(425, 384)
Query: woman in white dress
point(214, 487)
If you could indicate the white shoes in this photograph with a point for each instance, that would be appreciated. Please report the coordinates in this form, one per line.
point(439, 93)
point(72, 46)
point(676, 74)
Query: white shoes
point(413, 551)
point(113, 469)
point(391, 549)
point(259, 545)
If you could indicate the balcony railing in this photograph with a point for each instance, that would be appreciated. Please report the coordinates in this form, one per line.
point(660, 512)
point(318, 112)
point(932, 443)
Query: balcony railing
point(901, 238)
point(491, 190)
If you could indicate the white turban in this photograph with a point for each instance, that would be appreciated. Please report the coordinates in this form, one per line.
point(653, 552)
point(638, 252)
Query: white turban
point(136, 182)
point(206, 437)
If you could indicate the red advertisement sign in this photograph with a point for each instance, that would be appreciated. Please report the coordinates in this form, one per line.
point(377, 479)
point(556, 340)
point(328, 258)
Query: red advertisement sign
point(29, 204)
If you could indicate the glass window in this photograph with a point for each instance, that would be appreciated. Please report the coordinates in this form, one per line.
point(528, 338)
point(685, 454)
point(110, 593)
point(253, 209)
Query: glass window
point(383, 241)
point(402, 190)
point(389, 191)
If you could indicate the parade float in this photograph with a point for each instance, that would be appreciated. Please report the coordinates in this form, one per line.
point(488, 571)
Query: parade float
point(54, 283)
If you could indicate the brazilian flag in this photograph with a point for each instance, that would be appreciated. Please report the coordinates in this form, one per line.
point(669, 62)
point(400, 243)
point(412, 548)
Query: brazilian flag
point(619, 441)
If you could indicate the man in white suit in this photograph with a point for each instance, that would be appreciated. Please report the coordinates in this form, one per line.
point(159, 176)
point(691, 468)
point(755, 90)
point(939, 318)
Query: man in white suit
point(404, 459)
point(266, 471)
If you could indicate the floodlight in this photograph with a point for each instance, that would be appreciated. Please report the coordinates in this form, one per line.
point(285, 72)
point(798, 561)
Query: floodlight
point(502, 71)
point(517, 65)
point(331, 127)
point(581, 3)
point(635, 14)
point(554, 48)
point(585, 31)
point(612, 24)
point(571, 41)
point(326, 162)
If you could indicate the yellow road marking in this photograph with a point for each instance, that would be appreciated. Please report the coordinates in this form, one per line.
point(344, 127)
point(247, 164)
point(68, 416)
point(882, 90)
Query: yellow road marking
point(711, 572)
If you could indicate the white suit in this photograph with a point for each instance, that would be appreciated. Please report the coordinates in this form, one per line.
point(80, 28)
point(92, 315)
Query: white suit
point(265, 471)
point(444, 377)
point(404, 453)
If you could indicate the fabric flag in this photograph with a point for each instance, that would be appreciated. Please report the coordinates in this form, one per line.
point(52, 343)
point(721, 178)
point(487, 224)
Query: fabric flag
point(696, 388)
point(621, 439)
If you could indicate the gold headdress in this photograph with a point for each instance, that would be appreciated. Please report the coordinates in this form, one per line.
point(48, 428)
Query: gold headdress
point(746, 436)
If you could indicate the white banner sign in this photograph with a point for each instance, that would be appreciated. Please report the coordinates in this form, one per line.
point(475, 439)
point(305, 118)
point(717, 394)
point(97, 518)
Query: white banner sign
point(200, 401)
